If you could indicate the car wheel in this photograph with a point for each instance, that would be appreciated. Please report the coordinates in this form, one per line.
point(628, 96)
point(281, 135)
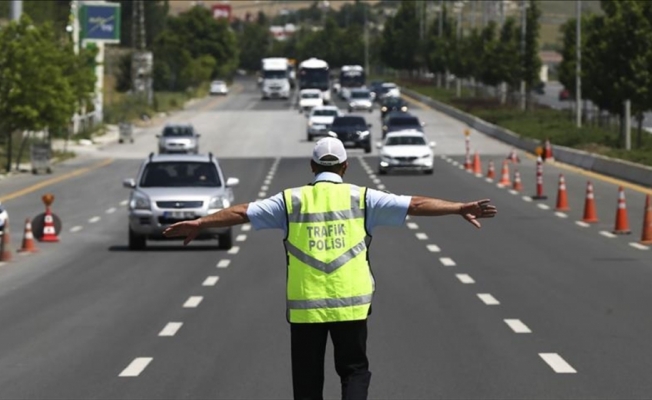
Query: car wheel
point(371, 110)
point(382, 171)
point(367, 149)
point(308, 137)
point(350, 110)
point(225, 240)
point(136, 241)
point(428, 171)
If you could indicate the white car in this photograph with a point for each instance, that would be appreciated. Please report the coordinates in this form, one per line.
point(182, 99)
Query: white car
point(3, 218)
point(406, 150)
point(309, 98)
point(320, 120)
point(219, 88)
point(389, 89)
point(361, 99)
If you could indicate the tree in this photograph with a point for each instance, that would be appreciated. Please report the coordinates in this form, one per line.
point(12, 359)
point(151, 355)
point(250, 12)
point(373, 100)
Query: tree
point(254, 44)
point(532, 61)
point(489, 73)
point(509, 62)
point(438, 47)
point(400, 38)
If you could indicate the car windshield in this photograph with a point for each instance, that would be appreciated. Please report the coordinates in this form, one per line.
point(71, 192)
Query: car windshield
point(393, 102)
point(220, 83)
point(309, 95)
point(177, 131)
point(350, 121)
point(360, 95)
point(324, 113)
point(404, 122)
point(275, 74)
point(405, 141)
point(180, 174)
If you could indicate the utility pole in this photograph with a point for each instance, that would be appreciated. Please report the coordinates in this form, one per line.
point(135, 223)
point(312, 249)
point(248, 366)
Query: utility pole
point(578, 65)
point(440, 33)
point(458, 81)
point(523, 63)
point(16, 9)
point(366, 41)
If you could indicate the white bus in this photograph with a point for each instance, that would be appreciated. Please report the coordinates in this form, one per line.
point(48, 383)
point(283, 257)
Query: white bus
point(314, 74)
point(275, 80)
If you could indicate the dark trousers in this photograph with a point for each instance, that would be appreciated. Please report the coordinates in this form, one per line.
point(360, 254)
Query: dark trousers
point(308, 351)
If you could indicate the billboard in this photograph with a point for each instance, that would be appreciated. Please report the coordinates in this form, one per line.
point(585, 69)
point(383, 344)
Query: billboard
point(100, 22)
point(221, 11)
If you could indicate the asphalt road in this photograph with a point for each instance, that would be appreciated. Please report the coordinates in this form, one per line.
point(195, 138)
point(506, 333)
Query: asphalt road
point(530, 306)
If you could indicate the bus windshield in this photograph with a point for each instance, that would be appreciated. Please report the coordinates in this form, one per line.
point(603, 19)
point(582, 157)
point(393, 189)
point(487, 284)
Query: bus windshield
point(314, 79)
point(352, 78)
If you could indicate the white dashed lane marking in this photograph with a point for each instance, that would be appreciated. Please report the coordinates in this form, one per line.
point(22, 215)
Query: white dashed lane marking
point(136, 367)
point(234, 250)
point(412, 225)
point(193, 301)
point(557, 363)
point(488, 180)
point(607, 234)
point(488, 299)
point(517, 326)
point(381, 187)
point(267, 181)
point(94, 220)
point(433, 248)
point(223, 263)
point(262, 194)
point(512, 191)
point(111, 210)
point(582, 224)
point(124, 202)
point(639, 246)
point(376, 181)
point(465, 279)
point(447, 262)
point(561, 214)
point(264, 187)
point(527, 198)
point(246, 227)
point(76, 228)
point(170, 329)
point(543, 206)
point(211, 281)
point(422, 236)
point(241, 238)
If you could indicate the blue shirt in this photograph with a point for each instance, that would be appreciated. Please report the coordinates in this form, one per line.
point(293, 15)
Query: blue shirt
point(382, 208)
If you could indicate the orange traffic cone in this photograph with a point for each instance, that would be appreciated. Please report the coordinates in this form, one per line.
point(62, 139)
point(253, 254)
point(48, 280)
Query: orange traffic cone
point(28, 239)
point(5, 254)
point(622, 222)
point(513, 157)
point(547, 151)
point(477, 167)
point(518, 186)
point(504, 179)
point(562, 196)
point(590, 215)
point(49, 232)
point(646, 236)
point(491, 172)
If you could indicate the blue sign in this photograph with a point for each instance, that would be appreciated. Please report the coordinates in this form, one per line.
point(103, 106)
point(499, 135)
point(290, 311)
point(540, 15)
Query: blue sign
point(100, 22)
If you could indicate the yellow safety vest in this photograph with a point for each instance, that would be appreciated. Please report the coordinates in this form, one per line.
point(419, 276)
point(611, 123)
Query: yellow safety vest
point(329, 278)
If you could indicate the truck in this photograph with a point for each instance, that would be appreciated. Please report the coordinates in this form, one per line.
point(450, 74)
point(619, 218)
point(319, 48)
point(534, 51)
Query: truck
point(275, 82)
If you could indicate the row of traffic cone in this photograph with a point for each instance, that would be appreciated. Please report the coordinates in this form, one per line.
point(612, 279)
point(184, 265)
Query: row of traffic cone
point(28, 243)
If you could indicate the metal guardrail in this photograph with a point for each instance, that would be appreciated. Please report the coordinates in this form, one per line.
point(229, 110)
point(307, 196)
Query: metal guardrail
point(625, 170)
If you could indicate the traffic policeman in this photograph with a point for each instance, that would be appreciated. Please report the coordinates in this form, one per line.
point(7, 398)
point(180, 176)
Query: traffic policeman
point(328, 226)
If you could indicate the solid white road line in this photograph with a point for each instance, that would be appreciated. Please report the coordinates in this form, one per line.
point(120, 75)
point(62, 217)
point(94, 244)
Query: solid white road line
point(422, 236)
point(381, 187)
point(582, 224)
point(211, 281)
point(193, 301)
point(223, 263)
point(561, 214)
point(94, 220)
point(170, 329)
point(412, 225)
point(447, 262)
point(111, 210)
point(433, 248)
point(246, 227)
point(234, 250)
point(136, 367)
point(607, 234)
point(465, 279)
point(543, 206)
point(488, 299)
point(639, 246)
point(517, 326)
point(262, 194)
point(76, 228)
point(558, 364)
point(241, 238)
point(124, 202)
point(527, 198)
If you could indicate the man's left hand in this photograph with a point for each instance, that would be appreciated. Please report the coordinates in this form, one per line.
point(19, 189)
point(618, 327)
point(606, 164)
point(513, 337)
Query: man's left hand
point(478, 209)
point(189, 229)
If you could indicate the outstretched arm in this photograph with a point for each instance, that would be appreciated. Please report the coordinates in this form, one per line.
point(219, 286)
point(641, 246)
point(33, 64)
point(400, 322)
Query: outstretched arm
point(233, 215)
point(431, 207)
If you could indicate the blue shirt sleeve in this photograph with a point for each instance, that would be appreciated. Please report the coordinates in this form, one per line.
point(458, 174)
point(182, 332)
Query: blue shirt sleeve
point(268, 213)
point(385, 209)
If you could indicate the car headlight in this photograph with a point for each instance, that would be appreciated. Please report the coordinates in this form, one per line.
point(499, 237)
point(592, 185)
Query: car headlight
point(309, 123)
point(139, 201)
point(219, 202)
point(363, 133)
point(383, 109)
point(404, 109)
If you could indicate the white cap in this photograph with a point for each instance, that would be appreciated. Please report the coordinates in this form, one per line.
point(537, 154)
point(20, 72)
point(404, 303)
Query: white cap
point(331, 147)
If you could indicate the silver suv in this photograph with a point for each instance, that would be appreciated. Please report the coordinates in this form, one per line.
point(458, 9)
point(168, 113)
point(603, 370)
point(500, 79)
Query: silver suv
point(178, 138)
point(171, 188)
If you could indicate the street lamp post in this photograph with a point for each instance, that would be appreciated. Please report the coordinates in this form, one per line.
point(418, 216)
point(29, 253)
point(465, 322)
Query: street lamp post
point(578, 65)
point(459, 7)
point(523, 33)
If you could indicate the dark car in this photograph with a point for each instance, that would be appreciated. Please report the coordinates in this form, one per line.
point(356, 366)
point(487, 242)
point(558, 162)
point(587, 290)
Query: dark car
point(374, 87)
point(353, 131)
point(390, 104)
point(399, 121)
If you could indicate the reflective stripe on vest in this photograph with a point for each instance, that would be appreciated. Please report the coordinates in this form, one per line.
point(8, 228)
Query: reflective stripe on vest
point(328, 273)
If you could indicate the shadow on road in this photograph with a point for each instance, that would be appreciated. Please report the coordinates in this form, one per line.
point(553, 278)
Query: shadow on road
point(169, 248)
